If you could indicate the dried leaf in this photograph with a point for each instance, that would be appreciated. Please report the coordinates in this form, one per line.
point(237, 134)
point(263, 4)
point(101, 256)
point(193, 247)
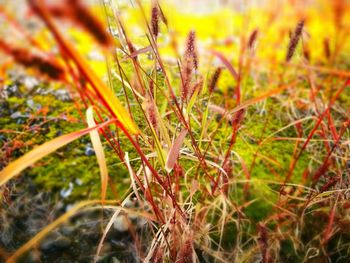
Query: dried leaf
point(175, 151)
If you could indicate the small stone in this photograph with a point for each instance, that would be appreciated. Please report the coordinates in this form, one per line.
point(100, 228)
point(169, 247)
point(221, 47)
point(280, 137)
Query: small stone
point(34, 256)
point(48, 242)
point(141, 222)
point(115, 260)
point(62, 242)
point(106, 248)
point(55, 242)
point(67, 191)
point(30, 82)
point(67, 230)
point(16, 115)
point(78, 181)
point(20, 121)
point(69, 207)
point(62, 95)
point(133, 217)
point(32, 105)
point(119, 245)
point(89, 151)
point(12, 90)
point(3, 138)
point(58, 133)
point(121, 224)
point(128, 203)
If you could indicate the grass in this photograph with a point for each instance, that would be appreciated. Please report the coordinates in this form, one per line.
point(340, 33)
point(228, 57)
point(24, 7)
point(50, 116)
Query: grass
point(236, 144)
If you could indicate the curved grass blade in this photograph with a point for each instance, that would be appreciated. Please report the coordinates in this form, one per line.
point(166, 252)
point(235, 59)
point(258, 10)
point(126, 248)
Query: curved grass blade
point(175, 151)
point(97, 145)
point(227, 63)
point(105, 95)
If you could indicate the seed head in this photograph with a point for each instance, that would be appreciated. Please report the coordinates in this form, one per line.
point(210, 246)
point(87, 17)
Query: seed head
point(214, 80)
point(155, 20)
point(191, 52)
point(252, 39)
point(294, 40)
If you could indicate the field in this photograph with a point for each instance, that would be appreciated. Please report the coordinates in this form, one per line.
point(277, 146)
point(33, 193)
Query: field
point(174, 131)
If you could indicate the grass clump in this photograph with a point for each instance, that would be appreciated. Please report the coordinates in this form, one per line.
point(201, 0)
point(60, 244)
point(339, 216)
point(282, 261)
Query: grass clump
point(229, 148)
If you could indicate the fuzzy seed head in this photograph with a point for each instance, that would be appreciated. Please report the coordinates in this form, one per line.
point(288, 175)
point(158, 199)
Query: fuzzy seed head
point(214, 80)
point(294, 40)
point(191, 52)
point(155, 20)
point(252, 39)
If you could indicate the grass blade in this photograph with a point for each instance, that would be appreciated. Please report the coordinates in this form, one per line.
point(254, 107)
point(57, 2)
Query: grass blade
point(97, 145)
point(106, 96)
point(175, 151)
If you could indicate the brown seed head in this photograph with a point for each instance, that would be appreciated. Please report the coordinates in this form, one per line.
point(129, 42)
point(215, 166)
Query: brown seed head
point(191, 52)
point(294, 40)
point(155, 20)
point(214, 80)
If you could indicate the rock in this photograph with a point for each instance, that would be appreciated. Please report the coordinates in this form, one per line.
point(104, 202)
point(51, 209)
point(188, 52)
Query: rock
point(78, 181)
point(67, 230)
point(55, 241)
point(16, 115)
point(30, 82)
point(89, 151)
point(128, 203)
point(69, 207)
point(121, 224)
point(33, 256)
point(58, 133)
point(119, 245)
point(133, 217)
point(12, 90)
point(62, 242)
point(67, 191)
point(32, 105)
point(62, 95)
point(107, 247)
point(3, 138)
point(115, 260)
point(20, 121)
point(141, 222)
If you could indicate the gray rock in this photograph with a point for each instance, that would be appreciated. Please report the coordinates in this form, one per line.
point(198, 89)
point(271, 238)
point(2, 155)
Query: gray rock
point(62, 242)
point(16, 115)
point(30, 82)
point(67, 230)
point(89, 151)
point(55, 241)
point(67, 191)
point(32, 105)
point(121, 224)
point(62, 95)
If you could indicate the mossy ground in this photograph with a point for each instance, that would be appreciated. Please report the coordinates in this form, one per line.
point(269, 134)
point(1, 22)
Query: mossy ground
point(267, 142)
